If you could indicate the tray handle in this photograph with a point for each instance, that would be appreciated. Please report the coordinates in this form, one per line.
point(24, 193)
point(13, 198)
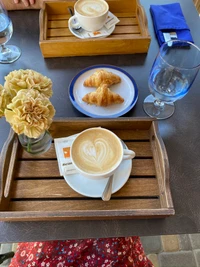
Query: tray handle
point(142, 18)
point(162, 166)
point(43, 18)
point(7, 163)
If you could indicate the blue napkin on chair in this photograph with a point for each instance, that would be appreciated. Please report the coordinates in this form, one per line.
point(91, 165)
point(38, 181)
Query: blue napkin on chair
point(169, 18)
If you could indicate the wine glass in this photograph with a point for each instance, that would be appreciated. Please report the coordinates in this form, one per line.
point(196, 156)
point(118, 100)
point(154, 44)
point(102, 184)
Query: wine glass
point(173, 73)
point(8, 53)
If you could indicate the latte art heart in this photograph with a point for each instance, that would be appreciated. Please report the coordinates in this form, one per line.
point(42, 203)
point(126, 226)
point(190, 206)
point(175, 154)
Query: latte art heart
point(91, 8)
point(95, 153)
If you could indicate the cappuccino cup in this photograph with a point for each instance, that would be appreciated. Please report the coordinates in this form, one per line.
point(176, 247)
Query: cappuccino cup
point(91, 14)
point(97, 153)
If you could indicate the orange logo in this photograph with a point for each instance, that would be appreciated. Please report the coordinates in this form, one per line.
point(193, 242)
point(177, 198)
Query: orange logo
point(66, 151)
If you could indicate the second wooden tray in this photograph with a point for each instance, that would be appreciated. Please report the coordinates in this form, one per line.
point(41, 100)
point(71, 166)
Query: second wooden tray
point(130, 35)
point(32, 188)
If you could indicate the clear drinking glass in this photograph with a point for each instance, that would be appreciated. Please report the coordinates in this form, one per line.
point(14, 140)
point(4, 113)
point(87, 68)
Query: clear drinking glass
point(173, 73)
point(8, 53)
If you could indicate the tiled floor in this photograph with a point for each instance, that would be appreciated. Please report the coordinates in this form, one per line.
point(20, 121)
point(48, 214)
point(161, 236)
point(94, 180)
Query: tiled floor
point(173, 250)
point(163, 251)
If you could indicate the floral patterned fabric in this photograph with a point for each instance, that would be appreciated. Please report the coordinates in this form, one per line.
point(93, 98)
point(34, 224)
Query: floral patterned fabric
point(102, 252)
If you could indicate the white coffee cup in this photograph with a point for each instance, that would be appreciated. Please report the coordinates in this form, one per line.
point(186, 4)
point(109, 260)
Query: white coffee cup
point(91, 14)
point(97, 153)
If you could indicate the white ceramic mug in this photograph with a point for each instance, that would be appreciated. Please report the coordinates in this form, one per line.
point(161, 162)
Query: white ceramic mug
point(97, 153)
point(91, 14)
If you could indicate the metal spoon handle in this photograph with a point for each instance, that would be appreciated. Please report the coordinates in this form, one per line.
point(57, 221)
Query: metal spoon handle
point(108, 189)
point(76, 26)
point(71, 11)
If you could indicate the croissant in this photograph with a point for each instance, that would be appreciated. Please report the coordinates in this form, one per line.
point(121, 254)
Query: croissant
point(102, 76)
point(103, 96)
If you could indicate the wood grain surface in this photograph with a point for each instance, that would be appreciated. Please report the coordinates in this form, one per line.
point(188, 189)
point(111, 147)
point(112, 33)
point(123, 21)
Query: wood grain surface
point(130, 34)
point(38, 192)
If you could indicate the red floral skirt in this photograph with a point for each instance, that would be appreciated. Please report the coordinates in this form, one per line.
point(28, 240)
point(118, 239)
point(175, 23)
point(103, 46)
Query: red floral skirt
point(104, 252)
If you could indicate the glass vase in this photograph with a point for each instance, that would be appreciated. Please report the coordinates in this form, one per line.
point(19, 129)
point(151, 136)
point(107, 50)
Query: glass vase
point(36, 145)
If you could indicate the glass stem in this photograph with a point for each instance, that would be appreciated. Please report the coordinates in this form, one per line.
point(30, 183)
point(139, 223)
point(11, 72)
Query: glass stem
point(159, 104)
point(4, 49)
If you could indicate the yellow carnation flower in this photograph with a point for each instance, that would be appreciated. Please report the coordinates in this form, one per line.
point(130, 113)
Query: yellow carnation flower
point(30, 113)
point(27, 79)
point(5, 99)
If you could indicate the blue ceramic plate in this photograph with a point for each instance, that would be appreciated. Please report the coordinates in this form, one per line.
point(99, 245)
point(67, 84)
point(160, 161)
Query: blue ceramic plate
point(126, 89)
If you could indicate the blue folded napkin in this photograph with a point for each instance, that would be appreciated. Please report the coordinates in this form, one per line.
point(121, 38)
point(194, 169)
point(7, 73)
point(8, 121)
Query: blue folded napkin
point(170, 18)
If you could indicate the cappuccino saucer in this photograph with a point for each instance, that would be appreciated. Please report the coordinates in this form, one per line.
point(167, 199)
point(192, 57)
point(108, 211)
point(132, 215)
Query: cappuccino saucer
point(94, 188)
point(83, 34)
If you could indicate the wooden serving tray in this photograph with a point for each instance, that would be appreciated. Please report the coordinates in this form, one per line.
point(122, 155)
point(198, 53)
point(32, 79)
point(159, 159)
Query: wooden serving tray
point(130, 36)
point(32, 188)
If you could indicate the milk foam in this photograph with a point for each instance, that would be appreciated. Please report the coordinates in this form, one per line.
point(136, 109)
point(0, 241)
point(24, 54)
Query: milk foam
point(91, 8)
point(96, 153)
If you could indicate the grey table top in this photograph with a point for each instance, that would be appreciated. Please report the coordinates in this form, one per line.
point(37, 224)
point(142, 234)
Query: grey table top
point(181, 133)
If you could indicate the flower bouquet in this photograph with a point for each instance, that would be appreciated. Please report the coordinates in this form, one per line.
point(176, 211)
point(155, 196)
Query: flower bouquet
point(24, 101)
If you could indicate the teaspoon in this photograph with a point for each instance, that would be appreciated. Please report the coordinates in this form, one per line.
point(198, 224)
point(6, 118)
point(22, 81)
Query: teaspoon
point(108, 189)
point(75, 26)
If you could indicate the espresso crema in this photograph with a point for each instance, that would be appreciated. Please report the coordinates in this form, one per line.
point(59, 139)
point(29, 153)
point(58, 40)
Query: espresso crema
point(91, 8)
point(96, 151)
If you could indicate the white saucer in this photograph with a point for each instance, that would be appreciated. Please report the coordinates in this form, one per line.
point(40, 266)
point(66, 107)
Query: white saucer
point(94, 188)
point(79, 35)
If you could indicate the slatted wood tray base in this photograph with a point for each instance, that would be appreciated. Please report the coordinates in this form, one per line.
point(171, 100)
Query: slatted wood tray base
point(32, 189)
point(130, 35)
